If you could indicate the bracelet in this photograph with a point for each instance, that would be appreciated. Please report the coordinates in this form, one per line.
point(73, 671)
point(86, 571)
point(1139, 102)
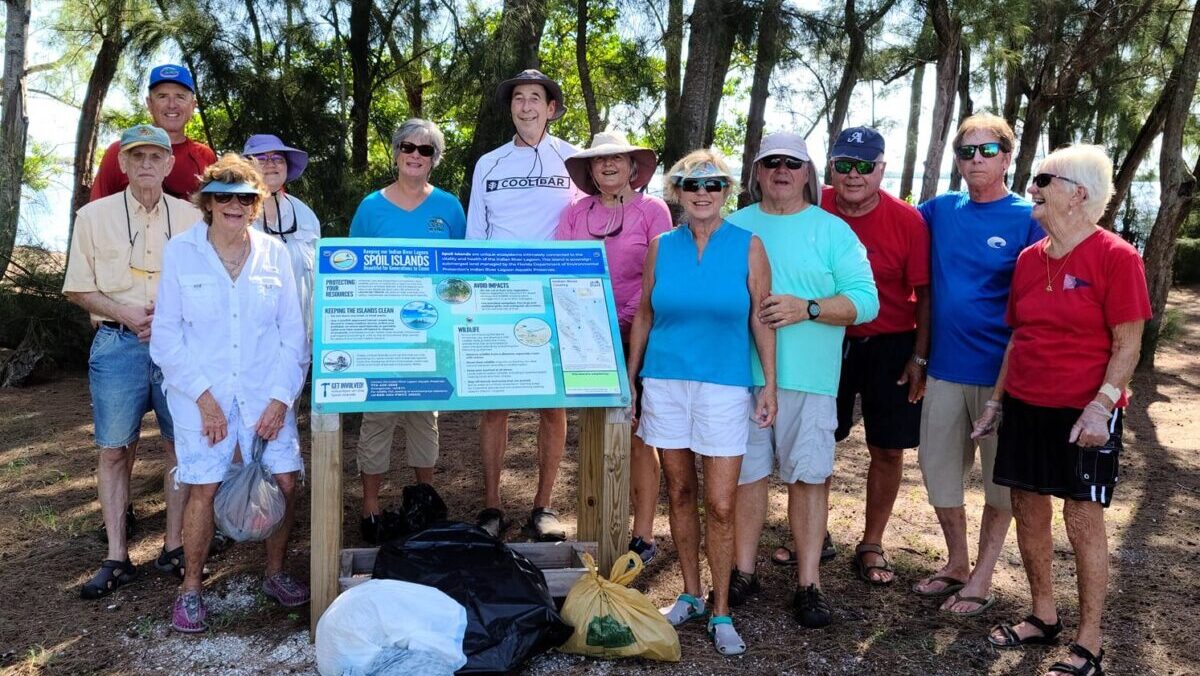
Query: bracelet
point(993, 403)
point(920, 361)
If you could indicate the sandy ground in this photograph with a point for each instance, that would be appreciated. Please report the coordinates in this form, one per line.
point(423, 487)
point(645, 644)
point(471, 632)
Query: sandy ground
point(48, 547)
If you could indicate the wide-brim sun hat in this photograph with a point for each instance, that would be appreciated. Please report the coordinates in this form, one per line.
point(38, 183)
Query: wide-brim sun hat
point(532, 76)
point(611, 143)
point(297, 160)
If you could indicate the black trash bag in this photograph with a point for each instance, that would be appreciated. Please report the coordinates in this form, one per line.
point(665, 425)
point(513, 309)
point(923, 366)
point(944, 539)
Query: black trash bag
point(421, 508)
point(510, 614)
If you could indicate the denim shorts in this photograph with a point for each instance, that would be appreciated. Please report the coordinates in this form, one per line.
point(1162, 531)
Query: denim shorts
point(125, 384)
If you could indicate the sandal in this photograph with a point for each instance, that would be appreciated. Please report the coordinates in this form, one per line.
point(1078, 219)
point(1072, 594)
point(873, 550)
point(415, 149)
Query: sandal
point(492, 521)
point(983, 603)
point(686, 607)
point(724, 637)
point(741, 588)
point(172, 563)
point(864, 571)
point(111, 576)
point(1091, 667)
point(1049, 635)
point(949, 586)
point(786, 557)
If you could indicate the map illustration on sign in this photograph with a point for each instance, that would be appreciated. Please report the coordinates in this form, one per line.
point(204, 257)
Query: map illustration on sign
point(409, 325)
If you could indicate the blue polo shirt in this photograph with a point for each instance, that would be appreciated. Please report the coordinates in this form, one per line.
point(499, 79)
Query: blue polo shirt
point(973, 250)
point(440, 216)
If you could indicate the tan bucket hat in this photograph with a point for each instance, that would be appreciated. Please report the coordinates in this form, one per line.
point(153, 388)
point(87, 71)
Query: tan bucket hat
point(611, 143)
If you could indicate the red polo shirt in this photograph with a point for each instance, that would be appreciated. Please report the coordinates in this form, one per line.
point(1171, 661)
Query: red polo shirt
point(191, 159)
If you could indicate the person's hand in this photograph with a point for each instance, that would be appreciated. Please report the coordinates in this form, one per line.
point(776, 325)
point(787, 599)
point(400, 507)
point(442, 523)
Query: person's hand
point(779, 310)
point(766, 407)
point(989, 421)
point(1092, 427)
point(271, 421)
point(212, 418)
point(137, 319)
point(914, 376)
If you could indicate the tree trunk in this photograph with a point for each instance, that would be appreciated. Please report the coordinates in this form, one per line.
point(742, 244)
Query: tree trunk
point(1031, 133)
point(414, 76)
point(949, 37)
point(512, 48)
point(14, 124)
point(103, 71)
point(1014, 85)
point(1137, 152)
point(672, 81)
point(769, 44)
point(914, 131)
point(710, 35)
point(724, 54)
point(966, 108)
point(360, 69)
point(1177, 192)
point(585, 74)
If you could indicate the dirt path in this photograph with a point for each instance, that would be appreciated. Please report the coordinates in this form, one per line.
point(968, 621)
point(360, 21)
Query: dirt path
point(48, 547)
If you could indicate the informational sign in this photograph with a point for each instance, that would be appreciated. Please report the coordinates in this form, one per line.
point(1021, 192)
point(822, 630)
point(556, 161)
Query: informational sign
point(420, 325)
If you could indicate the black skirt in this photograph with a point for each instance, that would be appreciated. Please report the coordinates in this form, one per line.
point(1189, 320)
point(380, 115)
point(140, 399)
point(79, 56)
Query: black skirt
point(1034, 454)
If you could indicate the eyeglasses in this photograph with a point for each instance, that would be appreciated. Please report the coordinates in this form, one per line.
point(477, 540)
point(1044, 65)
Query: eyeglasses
point(1043, 179)
point(407, 148)
point(991, 149)
point(273, 158)
point(242, 198)
point(773, 162)
point(707, 184)
point(612, 227)
point(863, 167)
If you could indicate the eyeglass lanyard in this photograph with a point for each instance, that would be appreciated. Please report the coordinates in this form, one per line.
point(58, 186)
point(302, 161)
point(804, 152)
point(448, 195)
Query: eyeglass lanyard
point(608, 228)
point(129, 225)
point(279, 214)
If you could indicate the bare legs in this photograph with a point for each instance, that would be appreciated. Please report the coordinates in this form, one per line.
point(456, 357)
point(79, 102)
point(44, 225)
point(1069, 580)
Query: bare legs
point(112, 484)
point(883, 483)
point(808, 514)
point(493, 441)
point(644, 480)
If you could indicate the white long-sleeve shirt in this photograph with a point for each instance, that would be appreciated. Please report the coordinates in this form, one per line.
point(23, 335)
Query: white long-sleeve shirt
point(301, 245)
point(242, 339)
point(519, 192)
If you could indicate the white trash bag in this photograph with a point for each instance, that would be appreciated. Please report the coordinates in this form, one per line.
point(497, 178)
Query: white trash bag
point(379, 614)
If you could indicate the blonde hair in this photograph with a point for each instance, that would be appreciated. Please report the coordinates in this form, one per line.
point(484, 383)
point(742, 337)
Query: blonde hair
point(1090, 167)
point(692, 161)
point(986, 122)
point(231, 168)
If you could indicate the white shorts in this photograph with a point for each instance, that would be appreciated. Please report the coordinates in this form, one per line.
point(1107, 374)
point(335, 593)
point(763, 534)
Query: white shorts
point(801, 439)
point(200, 463)
point(707, 418)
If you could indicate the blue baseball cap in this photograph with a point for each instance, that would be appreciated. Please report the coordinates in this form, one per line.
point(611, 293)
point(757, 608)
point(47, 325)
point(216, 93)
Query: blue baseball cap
point(145, 135)
point(859, 143)
point(240, 188)
point(169, 72)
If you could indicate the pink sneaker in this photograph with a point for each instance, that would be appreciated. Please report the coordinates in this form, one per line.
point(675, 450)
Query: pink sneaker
point(285, 589)
point(189, 613)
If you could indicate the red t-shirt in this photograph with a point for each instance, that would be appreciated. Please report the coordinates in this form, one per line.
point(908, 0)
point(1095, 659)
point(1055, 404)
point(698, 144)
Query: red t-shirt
point(897, 244)
point(1062, 338)
point(191, 159)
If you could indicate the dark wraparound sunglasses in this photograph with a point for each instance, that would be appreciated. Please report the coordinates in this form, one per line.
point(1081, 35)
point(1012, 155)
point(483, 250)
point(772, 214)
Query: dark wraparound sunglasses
point(242, 198)
point(407, 148)
point(863, 167)
point(773, 162)
point(1043, 179)
point(986, 149)
point(708, 184)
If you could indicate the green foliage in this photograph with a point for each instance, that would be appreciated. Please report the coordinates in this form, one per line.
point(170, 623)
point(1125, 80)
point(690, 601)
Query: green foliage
point(31, 300)
point(41, 165)
point(1187, 261)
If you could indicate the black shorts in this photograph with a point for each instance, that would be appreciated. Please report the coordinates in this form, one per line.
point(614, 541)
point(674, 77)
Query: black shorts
point(1034, 454)
point(870, 368)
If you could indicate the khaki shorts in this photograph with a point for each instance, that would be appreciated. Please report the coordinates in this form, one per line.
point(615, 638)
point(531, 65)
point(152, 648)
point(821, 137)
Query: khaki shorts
point(801, 440)
point(947, 451)
point(375, 440)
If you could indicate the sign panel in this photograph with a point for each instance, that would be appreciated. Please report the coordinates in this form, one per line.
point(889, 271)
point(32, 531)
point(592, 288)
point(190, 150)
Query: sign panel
point(421, 325)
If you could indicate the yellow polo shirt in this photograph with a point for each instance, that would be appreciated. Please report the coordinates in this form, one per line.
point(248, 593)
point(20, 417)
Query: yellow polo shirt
point(117, 246)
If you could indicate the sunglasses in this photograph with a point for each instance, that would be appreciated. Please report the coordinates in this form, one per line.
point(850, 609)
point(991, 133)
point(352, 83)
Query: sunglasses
point(407, 148)
point(863, 167)
point(1042, 180)
point(242, 198)
point(986, 149)
point(708, 185)
point(773, 162)
point(270, 159)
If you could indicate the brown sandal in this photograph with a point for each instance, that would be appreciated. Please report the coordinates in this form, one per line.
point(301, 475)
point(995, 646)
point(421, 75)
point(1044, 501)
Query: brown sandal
point(864, 571)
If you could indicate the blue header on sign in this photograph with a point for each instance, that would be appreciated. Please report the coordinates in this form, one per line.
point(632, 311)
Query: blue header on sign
point(464, 261)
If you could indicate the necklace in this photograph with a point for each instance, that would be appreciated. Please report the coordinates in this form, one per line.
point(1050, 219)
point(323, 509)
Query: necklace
point(232, 266)
point(1050, 278)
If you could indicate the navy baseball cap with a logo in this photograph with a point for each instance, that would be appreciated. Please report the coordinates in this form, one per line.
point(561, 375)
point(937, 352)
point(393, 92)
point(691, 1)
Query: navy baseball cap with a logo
point(169, 72)
point(859, 143)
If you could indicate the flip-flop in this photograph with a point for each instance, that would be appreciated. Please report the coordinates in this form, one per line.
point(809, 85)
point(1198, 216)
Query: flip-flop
point(952, 584)
point(983, 603)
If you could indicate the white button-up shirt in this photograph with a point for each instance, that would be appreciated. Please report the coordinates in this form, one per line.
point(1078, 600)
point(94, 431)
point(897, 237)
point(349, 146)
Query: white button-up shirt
point(242, 339)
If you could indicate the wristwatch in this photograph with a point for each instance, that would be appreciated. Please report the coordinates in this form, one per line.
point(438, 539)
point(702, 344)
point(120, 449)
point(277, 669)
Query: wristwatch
point(814, 309)
point(920, 361)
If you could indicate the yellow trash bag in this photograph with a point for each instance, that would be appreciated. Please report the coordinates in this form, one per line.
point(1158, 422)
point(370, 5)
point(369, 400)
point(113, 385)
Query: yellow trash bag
point(612, 620)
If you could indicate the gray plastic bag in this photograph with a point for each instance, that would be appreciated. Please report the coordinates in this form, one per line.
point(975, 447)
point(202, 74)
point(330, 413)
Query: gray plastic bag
point(249, 505)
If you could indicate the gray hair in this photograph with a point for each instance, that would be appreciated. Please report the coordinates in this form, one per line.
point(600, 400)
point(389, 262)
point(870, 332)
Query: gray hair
point(1090, 167)
point(420, 127)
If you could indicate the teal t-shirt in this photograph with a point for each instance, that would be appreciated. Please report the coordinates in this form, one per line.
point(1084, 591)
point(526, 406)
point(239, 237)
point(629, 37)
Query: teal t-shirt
point(440, 216)
point(813, 255)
